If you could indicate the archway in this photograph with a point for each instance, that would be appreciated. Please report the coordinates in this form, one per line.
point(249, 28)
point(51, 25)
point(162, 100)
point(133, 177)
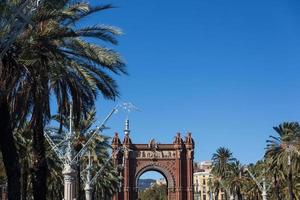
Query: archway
point(152, 185)
point(174, 161)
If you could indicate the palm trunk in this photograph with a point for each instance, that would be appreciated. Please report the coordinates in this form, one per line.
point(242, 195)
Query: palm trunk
point(239, 195)
point(39, 177)
point(276, 184)
point(24, 180)
point(9, 153)
point(290, 183)
point(217, 195)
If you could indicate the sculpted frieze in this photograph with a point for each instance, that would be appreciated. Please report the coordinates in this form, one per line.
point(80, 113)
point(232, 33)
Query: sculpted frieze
point(146, 154)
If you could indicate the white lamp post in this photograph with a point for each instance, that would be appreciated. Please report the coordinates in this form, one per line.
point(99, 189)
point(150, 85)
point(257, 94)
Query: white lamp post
point(69, 159)
point(262, 188)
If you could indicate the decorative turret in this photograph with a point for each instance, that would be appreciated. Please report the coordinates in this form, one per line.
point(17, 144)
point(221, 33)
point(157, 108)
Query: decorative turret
point(178, 142)
point(127, 140)
point(178, 139)
point(189, 153)
point(189, 141)
point(116, 142)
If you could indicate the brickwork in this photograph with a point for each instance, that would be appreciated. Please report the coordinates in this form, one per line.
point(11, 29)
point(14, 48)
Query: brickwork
point(174, 161)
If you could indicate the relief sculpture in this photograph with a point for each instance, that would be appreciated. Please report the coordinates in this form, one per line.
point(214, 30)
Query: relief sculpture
point(156, 154)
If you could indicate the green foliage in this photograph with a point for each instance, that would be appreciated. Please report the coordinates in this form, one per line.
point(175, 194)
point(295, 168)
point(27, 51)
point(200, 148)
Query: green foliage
point(282, 179)
point(155, 192)
point(54, 59)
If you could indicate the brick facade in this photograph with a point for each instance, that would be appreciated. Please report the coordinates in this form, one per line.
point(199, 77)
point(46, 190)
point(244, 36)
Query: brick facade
point(174, 161)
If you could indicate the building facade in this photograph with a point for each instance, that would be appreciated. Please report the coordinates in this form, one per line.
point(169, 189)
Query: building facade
point(202, 176)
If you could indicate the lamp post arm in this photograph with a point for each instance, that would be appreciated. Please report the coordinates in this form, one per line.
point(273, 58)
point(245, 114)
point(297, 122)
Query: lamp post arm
point(98, 129)
point(55, 148)
point(256, 181)
point(103, 167)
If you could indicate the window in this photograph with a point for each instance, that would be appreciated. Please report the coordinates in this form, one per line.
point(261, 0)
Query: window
point(204, 182)
point(204, 197)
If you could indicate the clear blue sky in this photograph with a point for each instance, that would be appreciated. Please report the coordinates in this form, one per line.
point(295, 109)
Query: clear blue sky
point(228, 71)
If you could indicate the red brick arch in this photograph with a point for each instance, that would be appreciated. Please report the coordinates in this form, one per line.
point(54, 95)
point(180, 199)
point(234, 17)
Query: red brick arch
point(174, 161)
point(162, 169)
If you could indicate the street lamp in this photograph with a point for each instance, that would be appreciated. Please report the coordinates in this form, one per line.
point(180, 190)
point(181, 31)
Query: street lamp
point(65, 152)
point(263, 187)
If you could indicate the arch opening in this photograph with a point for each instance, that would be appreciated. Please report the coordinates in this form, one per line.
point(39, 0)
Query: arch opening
point(152, 184)
point(165, 173)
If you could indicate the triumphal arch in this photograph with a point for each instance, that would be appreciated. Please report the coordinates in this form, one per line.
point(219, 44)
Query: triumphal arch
point(174, 161)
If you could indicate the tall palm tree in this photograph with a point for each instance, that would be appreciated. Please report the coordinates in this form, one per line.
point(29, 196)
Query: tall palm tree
point(53, 58)
point(23, 138)
point(222, 164)
point(7, 82)
point(215, 186)
point(276, 175)
point(222, 161)
point(10, 74)
point(280, 152)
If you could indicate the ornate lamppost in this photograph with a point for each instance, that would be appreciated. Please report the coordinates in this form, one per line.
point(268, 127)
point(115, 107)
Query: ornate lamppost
point(262, 187)
point(66, 154)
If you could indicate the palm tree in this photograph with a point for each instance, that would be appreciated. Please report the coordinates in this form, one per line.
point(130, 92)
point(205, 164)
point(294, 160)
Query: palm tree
point(222, 164)
point(250, 190)
point(276, 175)
point(23, 138)
point(280, 153)
point(54, 59)
point(222, 161)
point(236, 179)
point(7, 145)
point(9, 77)
point(215, 186)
